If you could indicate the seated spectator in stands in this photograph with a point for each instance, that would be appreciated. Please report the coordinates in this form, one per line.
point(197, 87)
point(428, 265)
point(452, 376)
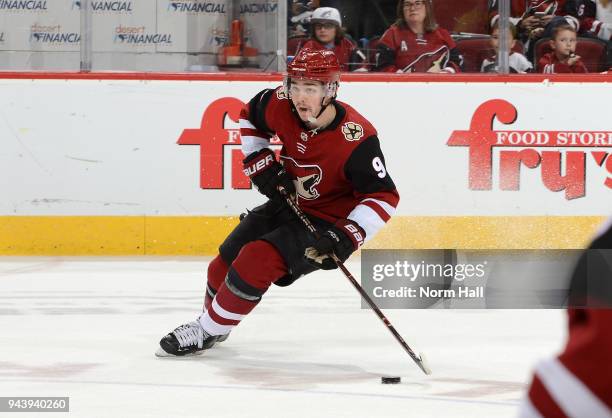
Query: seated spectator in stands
point(518, 62)
point(415, 43)
point(530, 17)
point(327, 33)
point(595, 17)
point(563, 59)
point(299, 14)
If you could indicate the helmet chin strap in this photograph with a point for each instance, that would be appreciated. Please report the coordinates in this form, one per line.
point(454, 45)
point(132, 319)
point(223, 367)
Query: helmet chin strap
point(323, 107)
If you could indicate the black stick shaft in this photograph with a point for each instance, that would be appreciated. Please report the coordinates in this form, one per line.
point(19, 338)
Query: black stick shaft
point(355, 283)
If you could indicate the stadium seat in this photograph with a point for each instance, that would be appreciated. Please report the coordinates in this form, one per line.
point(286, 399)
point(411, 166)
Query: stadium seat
point(294, 44)
point(371, 51)
point(462, 16)
point(591, 50)
point(476, 49)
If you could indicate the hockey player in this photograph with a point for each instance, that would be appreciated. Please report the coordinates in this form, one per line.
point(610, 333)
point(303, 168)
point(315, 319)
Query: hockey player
point(577, 382)
point(330, 161)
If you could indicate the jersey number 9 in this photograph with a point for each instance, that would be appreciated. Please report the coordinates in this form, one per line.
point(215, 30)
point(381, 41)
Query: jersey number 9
point(379, 167)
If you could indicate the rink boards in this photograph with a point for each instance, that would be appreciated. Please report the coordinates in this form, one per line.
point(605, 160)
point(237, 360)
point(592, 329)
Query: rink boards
point(112, 164)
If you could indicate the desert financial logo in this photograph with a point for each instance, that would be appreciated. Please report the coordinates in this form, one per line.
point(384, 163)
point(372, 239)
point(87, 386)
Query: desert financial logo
point(549, 150)
point(16, 5)
point(136, 35)
point(106, 6)
point(214, 139)
point(254, 8)
point(195, 6)
point(52, 35)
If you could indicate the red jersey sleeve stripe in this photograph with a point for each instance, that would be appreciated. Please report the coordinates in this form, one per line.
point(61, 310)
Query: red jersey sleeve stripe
point(376, 207)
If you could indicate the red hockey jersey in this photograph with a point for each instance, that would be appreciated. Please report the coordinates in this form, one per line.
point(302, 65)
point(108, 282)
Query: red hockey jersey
point(595, 17)
point(578, 382)
point(339, 171)
point(402, 49)
point(550, 64)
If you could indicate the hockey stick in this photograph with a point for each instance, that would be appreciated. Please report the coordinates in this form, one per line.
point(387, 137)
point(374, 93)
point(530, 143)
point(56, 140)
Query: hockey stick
point(418, 359)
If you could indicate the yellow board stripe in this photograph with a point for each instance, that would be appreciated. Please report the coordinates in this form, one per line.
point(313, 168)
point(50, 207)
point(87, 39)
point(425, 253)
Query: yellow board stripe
point(174, 235)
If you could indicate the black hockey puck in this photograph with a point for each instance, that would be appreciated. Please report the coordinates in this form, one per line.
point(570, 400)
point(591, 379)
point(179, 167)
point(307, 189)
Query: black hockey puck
point(390, 380)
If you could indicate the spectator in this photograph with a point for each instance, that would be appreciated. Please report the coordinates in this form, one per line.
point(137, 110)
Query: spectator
point(364, 18)
point(327, 33)
point(518, 62)
point(530, 17)
point(595, 17)
point(299, 15)
point(563, 59)
point(415, 43)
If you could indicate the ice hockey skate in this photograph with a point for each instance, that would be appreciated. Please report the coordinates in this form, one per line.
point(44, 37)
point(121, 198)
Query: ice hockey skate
point(187, 339)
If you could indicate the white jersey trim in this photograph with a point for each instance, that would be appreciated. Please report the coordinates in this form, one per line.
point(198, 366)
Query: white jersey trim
point(569, 392)
point(251, 144)
point(527, 410)
point(368, 219)
point(384, 205)
point(244, 123)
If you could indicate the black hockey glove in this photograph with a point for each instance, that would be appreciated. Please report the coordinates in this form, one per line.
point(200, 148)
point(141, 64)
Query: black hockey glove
point(342, 239)
point(267, 174)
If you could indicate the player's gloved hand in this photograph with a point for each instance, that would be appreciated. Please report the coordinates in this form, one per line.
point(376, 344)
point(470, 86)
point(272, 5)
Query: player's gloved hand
point(267, 174)
point(342, 239)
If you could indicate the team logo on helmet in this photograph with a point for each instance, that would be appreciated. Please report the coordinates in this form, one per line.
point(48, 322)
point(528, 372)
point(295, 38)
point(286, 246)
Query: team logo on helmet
point(352, 131)
point(307, 176)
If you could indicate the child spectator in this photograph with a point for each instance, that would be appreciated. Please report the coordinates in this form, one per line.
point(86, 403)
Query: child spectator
point(415, 43)
point(563, 59)
point(531, 18)
point(327, 33)
point(518, 62)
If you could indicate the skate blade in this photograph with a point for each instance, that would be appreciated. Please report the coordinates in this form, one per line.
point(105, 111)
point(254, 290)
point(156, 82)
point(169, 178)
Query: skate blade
point(162, 354)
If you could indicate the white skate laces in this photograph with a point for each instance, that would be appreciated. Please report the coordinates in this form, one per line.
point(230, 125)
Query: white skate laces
point(190, 334)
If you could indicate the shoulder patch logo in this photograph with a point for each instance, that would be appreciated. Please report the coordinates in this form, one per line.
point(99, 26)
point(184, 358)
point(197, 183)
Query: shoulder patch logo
point(352, 131)
point(280, 94)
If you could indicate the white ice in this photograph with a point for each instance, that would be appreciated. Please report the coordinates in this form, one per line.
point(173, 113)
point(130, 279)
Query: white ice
point(88, 329)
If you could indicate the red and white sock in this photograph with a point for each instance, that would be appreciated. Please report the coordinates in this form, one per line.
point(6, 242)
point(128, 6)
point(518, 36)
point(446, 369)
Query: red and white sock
point(257, 266)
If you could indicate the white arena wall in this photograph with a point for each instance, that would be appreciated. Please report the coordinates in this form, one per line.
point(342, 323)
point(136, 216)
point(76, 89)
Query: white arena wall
point(120, 164)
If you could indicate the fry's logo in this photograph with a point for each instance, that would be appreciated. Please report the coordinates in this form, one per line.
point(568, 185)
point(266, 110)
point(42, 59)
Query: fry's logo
point(214, 139)
point(481, 139)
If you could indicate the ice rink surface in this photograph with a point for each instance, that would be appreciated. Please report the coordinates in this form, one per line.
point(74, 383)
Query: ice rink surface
point(88, 329)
